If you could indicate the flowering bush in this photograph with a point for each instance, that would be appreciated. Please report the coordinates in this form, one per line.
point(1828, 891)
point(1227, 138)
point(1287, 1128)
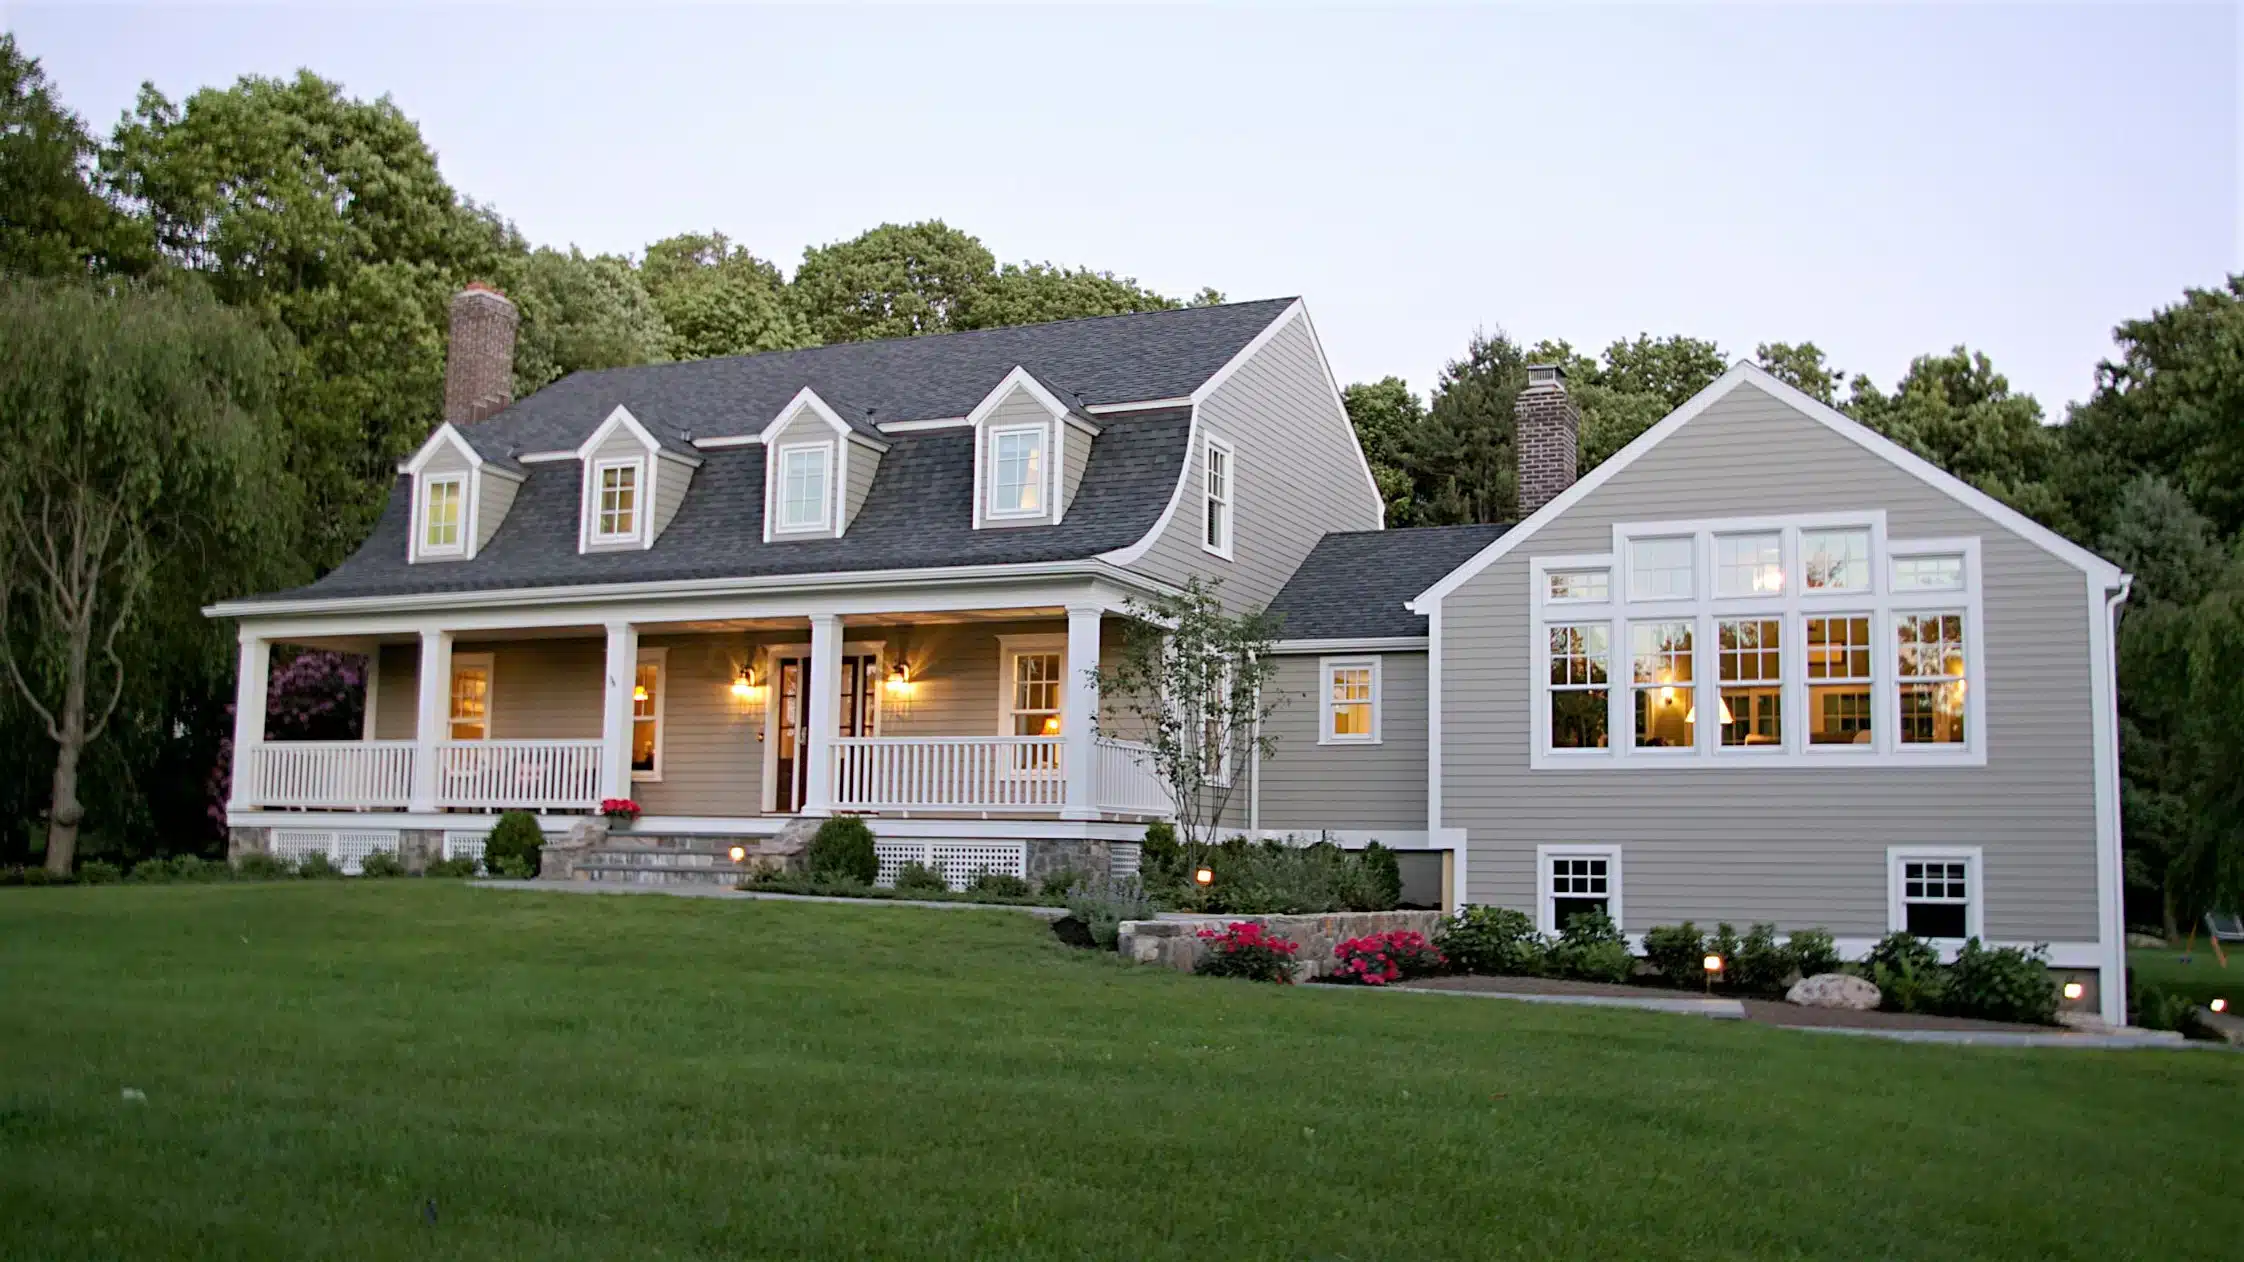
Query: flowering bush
point(1247, 950)
point(621, 810)
point(1378, 958)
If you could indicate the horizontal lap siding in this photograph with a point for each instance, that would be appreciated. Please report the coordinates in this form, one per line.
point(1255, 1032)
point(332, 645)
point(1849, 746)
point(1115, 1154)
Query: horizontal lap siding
point(1078, 459)
point(672, 478)
point(1797, 846)
point(864, 465)
point(712, 763)
point(1307, 786)
point(497, 496)
point(397, 693)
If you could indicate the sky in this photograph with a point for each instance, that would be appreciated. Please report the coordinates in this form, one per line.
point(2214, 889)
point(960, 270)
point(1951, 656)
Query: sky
point(1884, 181)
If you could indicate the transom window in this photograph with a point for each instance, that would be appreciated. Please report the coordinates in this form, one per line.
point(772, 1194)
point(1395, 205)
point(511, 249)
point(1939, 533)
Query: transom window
point(804, 491)
point(617, 514)
point(1579, 708)
point(1017, 472)
point(1749, 565)
point(1836, 560)
point(1659, 569)
point(1931, 671)
point(1351, 700)
point(1219, 475)
point(1935, 893)
point(1928, 574)
point(1584, 586)
point(1666, 712)
point(440, 514)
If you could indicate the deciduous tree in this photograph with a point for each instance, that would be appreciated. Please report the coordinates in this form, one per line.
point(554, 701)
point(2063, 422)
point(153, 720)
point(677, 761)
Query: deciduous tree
point(898, 280)
point(718, 299)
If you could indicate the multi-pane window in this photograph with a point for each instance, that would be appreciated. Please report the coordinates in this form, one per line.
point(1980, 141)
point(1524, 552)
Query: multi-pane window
point(1017, 472)
point(1835, 560)
point(803, 476)
point(618, 516)
point(471, 699)
point(1936, 897)
point(1928, 574)
point(440, 516)
point(1579, 659)
point(1033, 687)
point(1584, 586)
point(646, 719)
point(1662, 683)
point(1219, 498)
point(1580, 885)
point(1752, 678)
point(1839, 680)
point(1351, 701)
point(1659, 569)
point(1930, 667)
point(1749, 565)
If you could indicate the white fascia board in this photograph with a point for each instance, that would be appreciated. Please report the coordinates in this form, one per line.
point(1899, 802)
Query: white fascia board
point(678, 458)
point(1355, 644)
point(1340, 408)
point(545, 457)
point(620, 418)
point(866, 441)
point(1018, 379)
point(806, 399)
point(1141, 405)
point(914, 427)
point(1822, 413)
point(446, 435)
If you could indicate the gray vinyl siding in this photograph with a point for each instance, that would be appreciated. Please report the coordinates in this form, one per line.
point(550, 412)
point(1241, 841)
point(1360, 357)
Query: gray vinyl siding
point(1075, 460)
point(495, 497)
point(620, 445)
point(864, 465)
point(1796, 846)
point(1016, 412)
point(807, 427)
point(397, 696)
point(1307, 786)
point(1298, 474)
point(672, 478)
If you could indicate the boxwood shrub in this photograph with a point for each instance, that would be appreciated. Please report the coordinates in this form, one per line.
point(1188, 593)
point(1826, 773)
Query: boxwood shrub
point(842, 849)
point(512, 848)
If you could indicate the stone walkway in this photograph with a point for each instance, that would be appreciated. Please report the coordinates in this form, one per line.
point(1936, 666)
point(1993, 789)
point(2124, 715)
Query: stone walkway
point(718, 891)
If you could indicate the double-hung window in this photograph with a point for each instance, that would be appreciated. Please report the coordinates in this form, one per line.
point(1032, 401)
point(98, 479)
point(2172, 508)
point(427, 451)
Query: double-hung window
point(1930, 667)
point(1351, 701)
point(1220, 473)
point(1934, 892)
point(442, 513)
point(1752, 696)
point(1017, 472)
point(616, 501)
point(1580, 658)
point(1032, 679)
point(1839, 683)
point(470, 713)
point(1576, 881)
point(1662, 681)
point(805, 486)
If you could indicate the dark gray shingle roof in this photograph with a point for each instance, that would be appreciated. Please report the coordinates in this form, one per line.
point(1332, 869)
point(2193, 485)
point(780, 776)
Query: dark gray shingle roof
point(1354, 584)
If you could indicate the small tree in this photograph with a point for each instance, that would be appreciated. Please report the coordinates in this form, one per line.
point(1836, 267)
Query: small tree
point(1191, 686)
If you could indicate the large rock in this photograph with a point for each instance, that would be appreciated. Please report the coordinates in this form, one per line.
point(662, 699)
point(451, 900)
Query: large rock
point(1834, 990)
point(558, 860)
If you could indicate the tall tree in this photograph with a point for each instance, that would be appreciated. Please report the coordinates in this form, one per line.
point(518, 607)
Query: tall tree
point(137, 472)
point(53, 222)
point(898, 280)
point(718, 299)
point(1674, 368)
point(1386, 415)
point(1958, 412)
point(1802, 367)
point(580, 313)
point(1462, 465)
point(1034, 293)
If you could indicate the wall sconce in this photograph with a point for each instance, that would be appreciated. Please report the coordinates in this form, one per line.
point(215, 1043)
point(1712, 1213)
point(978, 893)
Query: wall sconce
point(899, 680)
point(745, 688)
point(2074, 990)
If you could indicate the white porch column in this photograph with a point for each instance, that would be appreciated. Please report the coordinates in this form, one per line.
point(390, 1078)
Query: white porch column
point(615, 710)
point(432, 716)
point(825, 713)
point(255, 673)
point(1079, 702)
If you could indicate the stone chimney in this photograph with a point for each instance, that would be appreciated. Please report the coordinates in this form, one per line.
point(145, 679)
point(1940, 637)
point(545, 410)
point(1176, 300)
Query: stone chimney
point(479, 360)
point(1549, 437)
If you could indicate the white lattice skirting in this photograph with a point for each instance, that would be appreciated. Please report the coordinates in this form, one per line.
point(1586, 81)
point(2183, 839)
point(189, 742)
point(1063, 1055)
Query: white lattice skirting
point(958, 861)
point(465, 844)
point(345, 848)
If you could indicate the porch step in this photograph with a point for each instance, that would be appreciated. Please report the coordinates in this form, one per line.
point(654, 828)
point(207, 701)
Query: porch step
point(643, 874)
point(675, 861)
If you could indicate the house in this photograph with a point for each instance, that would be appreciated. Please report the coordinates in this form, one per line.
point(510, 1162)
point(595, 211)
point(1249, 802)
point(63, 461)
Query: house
point(871, 578)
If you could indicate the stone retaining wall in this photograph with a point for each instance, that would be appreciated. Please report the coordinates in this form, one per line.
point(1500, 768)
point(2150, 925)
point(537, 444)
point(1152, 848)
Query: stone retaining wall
point(1174, 941)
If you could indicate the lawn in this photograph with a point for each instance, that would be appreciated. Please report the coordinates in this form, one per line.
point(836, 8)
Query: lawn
point(2202, 979)
point(593, 1077)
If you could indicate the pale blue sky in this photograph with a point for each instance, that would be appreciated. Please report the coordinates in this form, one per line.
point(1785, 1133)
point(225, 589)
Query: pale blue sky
point(1884, 181)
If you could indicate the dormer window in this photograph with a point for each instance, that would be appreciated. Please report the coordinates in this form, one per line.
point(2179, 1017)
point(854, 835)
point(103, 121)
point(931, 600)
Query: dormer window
point(1017, 472)
point(617, 488)
point(441, 513)
point(806, 486)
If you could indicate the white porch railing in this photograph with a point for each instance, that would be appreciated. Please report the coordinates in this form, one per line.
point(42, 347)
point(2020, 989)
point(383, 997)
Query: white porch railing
point(1123, 781)
point(526, 775)
point(950, 773)
point(338, 775)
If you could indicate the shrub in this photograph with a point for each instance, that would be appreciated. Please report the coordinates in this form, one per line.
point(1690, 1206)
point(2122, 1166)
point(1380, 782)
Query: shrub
point(1813, 951)
point(1280, 878)
point(918, 876)
point(1902, 951)
point(461, 866)
point(188, 867)
point(1492, 940)
point(1378, 958)
point(1102, 903)
point(317, 866)
point(1761, 966)
point(263, 867)
point(381, 863)
point(99, 872)
point(1677, 951)
point(997, 885)
point(1592, 950)
point(1055, 885)
point(2002, 984)
point(1724, 942)
point(1245, 950)
point(145, 872)
point(1382, 878)
point(512, 847)
point(842, 849)
point(36, 875)
point(1911, 985)
point(2159, 1009)
point(1160, 851)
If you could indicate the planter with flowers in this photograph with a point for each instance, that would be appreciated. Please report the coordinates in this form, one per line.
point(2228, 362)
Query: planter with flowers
point(620, 812)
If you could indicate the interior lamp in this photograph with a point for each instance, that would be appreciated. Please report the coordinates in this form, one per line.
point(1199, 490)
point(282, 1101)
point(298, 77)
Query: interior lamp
point(638, 692)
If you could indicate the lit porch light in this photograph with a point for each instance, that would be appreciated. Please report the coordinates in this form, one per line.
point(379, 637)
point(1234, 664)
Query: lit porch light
point(899, 680)
point(744, 685)
point(739, 853)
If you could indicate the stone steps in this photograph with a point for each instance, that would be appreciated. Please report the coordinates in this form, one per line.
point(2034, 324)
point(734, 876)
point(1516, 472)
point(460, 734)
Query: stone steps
point(671, 861)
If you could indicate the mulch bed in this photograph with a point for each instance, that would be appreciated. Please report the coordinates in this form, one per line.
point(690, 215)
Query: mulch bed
point(1766, 1011)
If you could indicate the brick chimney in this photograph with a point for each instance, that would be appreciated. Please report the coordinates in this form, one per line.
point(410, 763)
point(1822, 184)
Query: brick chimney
point(1549, 436)
point(479, 359)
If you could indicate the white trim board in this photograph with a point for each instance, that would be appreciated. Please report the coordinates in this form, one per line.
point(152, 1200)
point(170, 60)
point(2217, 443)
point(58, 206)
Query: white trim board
point(1354, 644)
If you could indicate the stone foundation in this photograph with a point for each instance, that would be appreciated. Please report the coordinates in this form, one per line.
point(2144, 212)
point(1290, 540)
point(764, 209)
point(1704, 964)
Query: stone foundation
point(1174, 941)
point(243, 842)
point(1091, 858)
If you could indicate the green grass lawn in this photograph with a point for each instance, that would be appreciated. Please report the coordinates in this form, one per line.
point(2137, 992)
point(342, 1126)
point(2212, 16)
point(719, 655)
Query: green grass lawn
point(2202, 979)
point(579, 1077)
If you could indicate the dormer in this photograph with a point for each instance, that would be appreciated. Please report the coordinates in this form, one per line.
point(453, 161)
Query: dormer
point(1030, 448)
point(632, 486)
point(459, 497)
point(817, 470)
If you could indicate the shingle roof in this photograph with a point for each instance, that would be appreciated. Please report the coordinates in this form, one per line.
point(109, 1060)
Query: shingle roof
point(1354, 584)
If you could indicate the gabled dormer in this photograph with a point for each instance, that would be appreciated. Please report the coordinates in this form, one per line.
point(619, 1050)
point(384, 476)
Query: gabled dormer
point(817, 470)
point(632, 485)
point(459, 497)
point(1030, 449)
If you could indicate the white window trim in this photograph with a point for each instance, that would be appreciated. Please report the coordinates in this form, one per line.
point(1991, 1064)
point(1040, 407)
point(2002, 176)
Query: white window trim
point(778, 502)
point(1229, 502)
point(1975, 884)
point(1010, 649)
point(1325, 668)
point(1544, 893)
point(639, 502)
point(660, 657)
point(463, 479)
point(1045, 462)
point(1794, 605)
point(490, 666)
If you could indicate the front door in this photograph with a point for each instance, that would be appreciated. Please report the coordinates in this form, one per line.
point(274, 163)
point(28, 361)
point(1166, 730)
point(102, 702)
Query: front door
point(792, 754)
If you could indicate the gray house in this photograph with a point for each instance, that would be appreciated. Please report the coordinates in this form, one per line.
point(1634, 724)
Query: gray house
point(1760, 665)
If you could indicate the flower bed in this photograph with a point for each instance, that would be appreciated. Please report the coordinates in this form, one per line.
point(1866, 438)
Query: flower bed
point(1174, 941)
